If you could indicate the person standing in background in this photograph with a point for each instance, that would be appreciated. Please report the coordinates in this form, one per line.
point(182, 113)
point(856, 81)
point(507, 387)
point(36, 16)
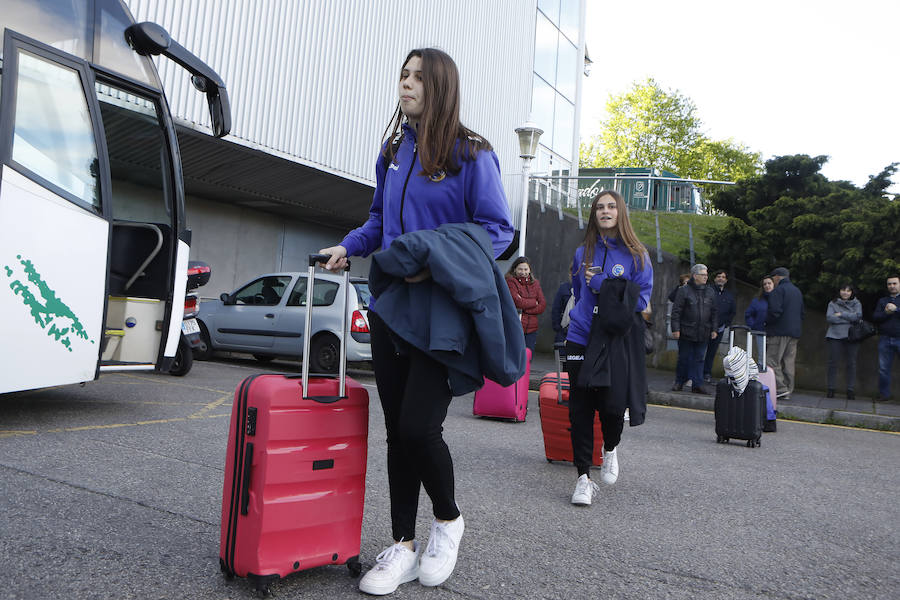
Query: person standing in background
point(755, 315)
point(693, 325)
point(887, 317)
point(725, 308)
point(784, 325)
point(841, 313)
point(529, 298)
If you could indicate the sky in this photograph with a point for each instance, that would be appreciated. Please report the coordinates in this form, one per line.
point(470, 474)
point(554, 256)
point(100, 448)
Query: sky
point(780, 77)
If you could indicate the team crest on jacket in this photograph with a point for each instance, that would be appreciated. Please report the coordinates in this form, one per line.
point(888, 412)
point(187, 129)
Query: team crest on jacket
point(618, 270)
point(439, 176)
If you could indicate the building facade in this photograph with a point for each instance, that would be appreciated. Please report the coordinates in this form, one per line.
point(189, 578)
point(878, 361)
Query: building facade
point(313, 84)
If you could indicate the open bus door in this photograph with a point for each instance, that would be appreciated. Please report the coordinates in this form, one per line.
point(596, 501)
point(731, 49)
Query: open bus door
point(94, 250)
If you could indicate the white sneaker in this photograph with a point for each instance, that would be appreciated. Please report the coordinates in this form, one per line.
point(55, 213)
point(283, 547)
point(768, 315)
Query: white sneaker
point(584, 491)
point(439, 558)
point(395, 565)
point(609, 470)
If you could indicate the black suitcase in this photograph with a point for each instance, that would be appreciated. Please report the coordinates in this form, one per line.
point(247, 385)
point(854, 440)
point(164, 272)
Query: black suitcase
point(740, 416)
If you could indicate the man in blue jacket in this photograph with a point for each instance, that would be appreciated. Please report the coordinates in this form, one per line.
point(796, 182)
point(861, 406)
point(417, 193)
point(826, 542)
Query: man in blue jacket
point(725, 307)
point(887, 317)
point(784, 324)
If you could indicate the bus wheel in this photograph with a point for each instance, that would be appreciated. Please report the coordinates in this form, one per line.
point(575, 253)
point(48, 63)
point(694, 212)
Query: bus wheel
point(184, 359)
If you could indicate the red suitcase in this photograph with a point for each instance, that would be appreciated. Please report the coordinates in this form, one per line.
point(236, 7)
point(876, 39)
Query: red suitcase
point(510, 402)
point(295, 473)
point(553, 403)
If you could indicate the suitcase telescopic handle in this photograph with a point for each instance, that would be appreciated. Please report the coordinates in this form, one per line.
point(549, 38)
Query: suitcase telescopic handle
point(750, 334)
point(315, 259)
point(557, 347)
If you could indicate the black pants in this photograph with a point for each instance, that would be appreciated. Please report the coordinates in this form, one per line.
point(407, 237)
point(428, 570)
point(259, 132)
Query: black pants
point(415, 396)
point(845, 350)
point(582, 404)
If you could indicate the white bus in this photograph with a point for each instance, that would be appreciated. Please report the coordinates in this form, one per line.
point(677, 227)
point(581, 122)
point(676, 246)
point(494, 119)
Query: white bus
point(93, 244)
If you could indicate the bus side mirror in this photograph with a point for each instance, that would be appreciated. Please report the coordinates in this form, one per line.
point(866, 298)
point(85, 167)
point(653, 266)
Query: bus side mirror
point(149, 38)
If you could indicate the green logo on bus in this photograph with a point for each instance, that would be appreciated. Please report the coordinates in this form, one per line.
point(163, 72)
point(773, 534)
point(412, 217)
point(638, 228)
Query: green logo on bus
point(49, 312)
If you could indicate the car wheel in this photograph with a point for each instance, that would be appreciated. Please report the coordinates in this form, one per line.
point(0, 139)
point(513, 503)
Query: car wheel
point(184, 359)
point(263, 358)
point(325, 354)
point(204, 337)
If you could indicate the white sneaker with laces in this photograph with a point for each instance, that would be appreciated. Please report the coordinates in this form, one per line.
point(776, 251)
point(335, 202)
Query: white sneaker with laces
point(609, 470)
point(584, 491)
point(395, 565)
point(439, 558)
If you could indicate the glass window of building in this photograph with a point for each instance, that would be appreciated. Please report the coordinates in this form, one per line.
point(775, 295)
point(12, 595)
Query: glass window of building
point(545, 49)
point(542, 109)
point(563, 126)
point(568, 19)
point(567, 69)
point(550, 8)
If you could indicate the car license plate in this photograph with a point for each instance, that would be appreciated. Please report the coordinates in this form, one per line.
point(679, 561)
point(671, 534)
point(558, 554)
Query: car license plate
point(190, 326)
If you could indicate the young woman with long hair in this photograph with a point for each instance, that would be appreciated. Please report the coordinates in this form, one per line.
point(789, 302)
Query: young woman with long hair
point(528, 296)
point(611, 250)
point(842, 312)
point(431, 170)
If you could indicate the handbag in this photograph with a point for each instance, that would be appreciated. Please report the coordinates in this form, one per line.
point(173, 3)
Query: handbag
point(860, 330)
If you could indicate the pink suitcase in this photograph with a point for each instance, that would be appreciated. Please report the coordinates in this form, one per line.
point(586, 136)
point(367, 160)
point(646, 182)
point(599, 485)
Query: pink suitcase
point(767, 378)
point(511, 402)
point(295, 474)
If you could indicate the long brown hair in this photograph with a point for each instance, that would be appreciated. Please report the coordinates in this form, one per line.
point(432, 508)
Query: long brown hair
point(439, 126)
point(624, 232)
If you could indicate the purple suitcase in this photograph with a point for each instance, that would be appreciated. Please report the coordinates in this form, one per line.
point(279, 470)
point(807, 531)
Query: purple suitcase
point(511, 402)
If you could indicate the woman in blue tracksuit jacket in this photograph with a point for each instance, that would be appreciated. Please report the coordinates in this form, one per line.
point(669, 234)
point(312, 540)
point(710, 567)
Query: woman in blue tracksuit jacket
point(611, 249)
point(433, 171)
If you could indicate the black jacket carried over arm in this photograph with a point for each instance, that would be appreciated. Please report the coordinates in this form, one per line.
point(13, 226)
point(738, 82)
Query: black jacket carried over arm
point(615, 356)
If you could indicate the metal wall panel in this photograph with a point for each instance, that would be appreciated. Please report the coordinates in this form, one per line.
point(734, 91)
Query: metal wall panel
point(315, 81)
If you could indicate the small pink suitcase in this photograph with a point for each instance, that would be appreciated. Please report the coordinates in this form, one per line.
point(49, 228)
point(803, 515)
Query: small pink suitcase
point(511, 402)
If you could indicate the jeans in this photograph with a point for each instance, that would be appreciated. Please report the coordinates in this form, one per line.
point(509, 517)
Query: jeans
point(839, 350)
point(690, 362)
point(530, 340)
point(415, 396)
point(887, 347)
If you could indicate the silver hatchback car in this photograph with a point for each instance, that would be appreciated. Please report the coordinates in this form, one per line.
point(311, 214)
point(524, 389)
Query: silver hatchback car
point(266, 316)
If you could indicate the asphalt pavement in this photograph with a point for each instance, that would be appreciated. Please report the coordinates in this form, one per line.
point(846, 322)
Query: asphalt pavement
point(113, 490)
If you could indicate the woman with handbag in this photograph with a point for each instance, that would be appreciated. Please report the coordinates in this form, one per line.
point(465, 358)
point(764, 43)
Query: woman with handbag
point(605, 350)
point(842, 312)
point(432, 170)
point(529, 298)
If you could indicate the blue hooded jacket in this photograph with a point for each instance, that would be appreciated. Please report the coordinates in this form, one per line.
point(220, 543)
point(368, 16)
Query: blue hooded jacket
point(463, 315)
point(405, 200)
point(618, 263)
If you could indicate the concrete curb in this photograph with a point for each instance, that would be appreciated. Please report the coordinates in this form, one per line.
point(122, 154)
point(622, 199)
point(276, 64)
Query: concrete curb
point(785, 411)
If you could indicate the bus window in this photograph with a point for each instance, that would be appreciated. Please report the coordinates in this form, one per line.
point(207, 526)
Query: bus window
point(113, 52)
point(138, 157)
point(62, 24)
point(53, 136)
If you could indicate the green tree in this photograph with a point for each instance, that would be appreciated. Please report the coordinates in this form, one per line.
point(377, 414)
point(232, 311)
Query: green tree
point(825, 232)
point(652, 127)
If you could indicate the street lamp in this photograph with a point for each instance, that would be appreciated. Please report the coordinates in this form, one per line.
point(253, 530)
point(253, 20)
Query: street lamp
point(529, 134)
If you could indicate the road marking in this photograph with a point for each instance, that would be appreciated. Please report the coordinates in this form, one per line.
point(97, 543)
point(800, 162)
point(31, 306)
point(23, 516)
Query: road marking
point(15, 433)
point(165, 382)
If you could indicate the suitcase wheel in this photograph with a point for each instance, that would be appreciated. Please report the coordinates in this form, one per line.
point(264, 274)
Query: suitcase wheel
point(721, 439)
point(225, 570)
point(354, 565)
